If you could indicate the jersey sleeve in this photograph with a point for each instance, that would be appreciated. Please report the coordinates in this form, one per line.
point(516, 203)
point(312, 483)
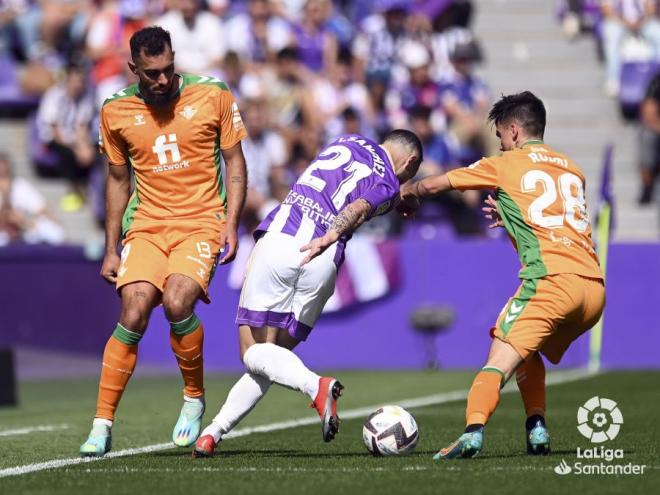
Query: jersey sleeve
point(480, 175)
point(111, 143)
point(231, 125)
point(381, 197)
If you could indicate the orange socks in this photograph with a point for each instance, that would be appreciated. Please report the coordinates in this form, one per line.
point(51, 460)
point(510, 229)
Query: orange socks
point(119, 358)
point(484, 395)
point(531, 382)
point(187, 340)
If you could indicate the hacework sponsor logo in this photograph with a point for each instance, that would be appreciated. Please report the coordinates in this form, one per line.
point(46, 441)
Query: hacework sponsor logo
point(600, 420)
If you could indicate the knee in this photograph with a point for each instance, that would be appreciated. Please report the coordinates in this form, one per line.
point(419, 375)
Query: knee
point(134, 318)
point(244, 346)
point(176, 308)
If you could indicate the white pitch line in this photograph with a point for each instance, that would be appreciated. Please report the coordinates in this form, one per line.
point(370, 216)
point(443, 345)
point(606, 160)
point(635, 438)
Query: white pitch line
point(557, 378)
point(31, 429)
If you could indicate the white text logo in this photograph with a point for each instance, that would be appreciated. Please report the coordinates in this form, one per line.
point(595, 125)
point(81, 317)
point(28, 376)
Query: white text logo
point(164, 144)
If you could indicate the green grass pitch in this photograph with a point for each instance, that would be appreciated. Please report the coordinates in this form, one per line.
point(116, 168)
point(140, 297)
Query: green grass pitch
point(296, 461)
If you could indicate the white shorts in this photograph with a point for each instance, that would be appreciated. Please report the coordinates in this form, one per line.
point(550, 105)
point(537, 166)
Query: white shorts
point(278, 292)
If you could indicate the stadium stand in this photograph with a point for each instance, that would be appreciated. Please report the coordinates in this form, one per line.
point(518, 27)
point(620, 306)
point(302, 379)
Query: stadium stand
point(334, 67)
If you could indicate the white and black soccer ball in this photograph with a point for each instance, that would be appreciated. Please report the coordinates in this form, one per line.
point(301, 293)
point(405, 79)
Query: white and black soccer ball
point(390, 430)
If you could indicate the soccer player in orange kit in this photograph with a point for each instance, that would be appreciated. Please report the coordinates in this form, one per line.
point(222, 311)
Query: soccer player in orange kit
point(541, 203)
point(171, 129)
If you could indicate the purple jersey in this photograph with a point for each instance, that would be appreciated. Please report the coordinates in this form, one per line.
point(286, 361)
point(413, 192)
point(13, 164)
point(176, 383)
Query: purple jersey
point(349, 168)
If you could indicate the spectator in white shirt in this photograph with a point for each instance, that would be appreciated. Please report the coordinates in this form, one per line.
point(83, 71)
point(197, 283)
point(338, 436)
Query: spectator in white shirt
point(64, 123)
point(198, 38)
point(628, 22)
point(266, 156)
point(257, 35)
point(23, 211)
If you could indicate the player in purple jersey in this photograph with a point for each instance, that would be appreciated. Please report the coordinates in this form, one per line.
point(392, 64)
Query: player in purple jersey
point(292, 269)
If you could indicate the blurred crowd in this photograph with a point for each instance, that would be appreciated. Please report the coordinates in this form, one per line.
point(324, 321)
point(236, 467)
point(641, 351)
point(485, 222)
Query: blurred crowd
point(302, 71)
point(627, 34)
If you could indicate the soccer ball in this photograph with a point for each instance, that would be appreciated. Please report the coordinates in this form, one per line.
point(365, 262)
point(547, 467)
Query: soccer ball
point(391, 430)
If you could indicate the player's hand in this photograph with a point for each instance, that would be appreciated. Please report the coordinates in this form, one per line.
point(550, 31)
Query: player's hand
point(229, 243)
point(111, 263)
point(409, 202)
point(316, 247)
point(408, 206)
point(491, 213)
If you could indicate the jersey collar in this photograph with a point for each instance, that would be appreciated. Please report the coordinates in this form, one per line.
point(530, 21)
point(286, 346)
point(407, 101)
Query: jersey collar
point(531, 142)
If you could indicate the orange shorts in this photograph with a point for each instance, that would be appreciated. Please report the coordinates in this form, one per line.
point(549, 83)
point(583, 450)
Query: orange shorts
point(549, 313)
point(153, 253)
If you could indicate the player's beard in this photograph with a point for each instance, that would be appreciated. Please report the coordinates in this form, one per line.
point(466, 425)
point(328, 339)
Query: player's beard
point(160, 99)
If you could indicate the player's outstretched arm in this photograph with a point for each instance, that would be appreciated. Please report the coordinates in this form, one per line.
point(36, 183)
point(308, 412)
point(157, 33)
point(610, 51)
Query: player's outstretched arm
point(428, 186)
point(347, 221)
point(117, 192)
point(236, 191)
point(413, 192)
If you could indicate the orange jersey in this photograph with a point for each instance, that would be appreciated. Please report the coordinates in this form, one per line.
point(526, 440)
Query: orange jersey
point(542, 204)
point(174, 149)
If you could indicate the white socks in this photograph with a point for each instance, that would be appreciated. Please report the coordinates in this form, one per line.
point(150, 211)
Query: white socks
point(242, 398)
point(281, 366)
point(266, 363)
point(101, 426)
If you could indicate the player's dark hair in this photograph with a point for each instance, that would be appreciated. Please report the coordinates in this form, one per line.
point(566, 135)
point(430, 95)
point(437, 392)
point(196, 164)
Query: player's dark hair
point(525, 108)
point(153, 40)
point(409, 140)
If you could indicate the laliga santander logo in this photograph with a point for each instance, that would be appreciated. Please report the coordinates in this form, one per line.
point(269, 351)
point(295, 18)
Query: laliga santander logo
point(599, 419)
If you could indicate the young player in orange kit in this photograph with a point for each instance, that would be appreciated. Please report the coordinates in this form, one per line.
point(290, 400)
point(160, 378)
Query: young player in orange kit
point(171, 129)
point(541, 203)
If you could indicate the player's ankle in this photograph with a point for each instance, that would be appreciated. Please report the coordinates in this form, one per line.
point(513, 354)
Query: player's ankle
point(214, 430)
point(102, 422)
point(474, 427)
point(197, 399)
point(533, 420)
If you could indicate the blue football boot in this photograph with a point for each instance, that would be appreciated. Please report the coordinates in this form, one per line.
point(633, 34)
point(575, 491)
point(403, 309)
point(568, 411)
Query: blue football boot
point(189, 425)
point(467, 446)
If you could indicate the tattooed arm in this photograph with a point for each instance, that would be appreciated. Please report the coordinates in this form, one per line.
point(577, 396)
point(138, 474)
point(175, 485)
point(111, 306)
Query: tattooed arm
point(346, 222)
point(236, 191)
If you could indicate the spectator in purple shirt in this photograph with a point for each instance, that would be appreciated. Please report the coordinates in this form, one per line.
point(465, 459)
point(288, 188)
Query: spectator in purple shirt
point(316, 44)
